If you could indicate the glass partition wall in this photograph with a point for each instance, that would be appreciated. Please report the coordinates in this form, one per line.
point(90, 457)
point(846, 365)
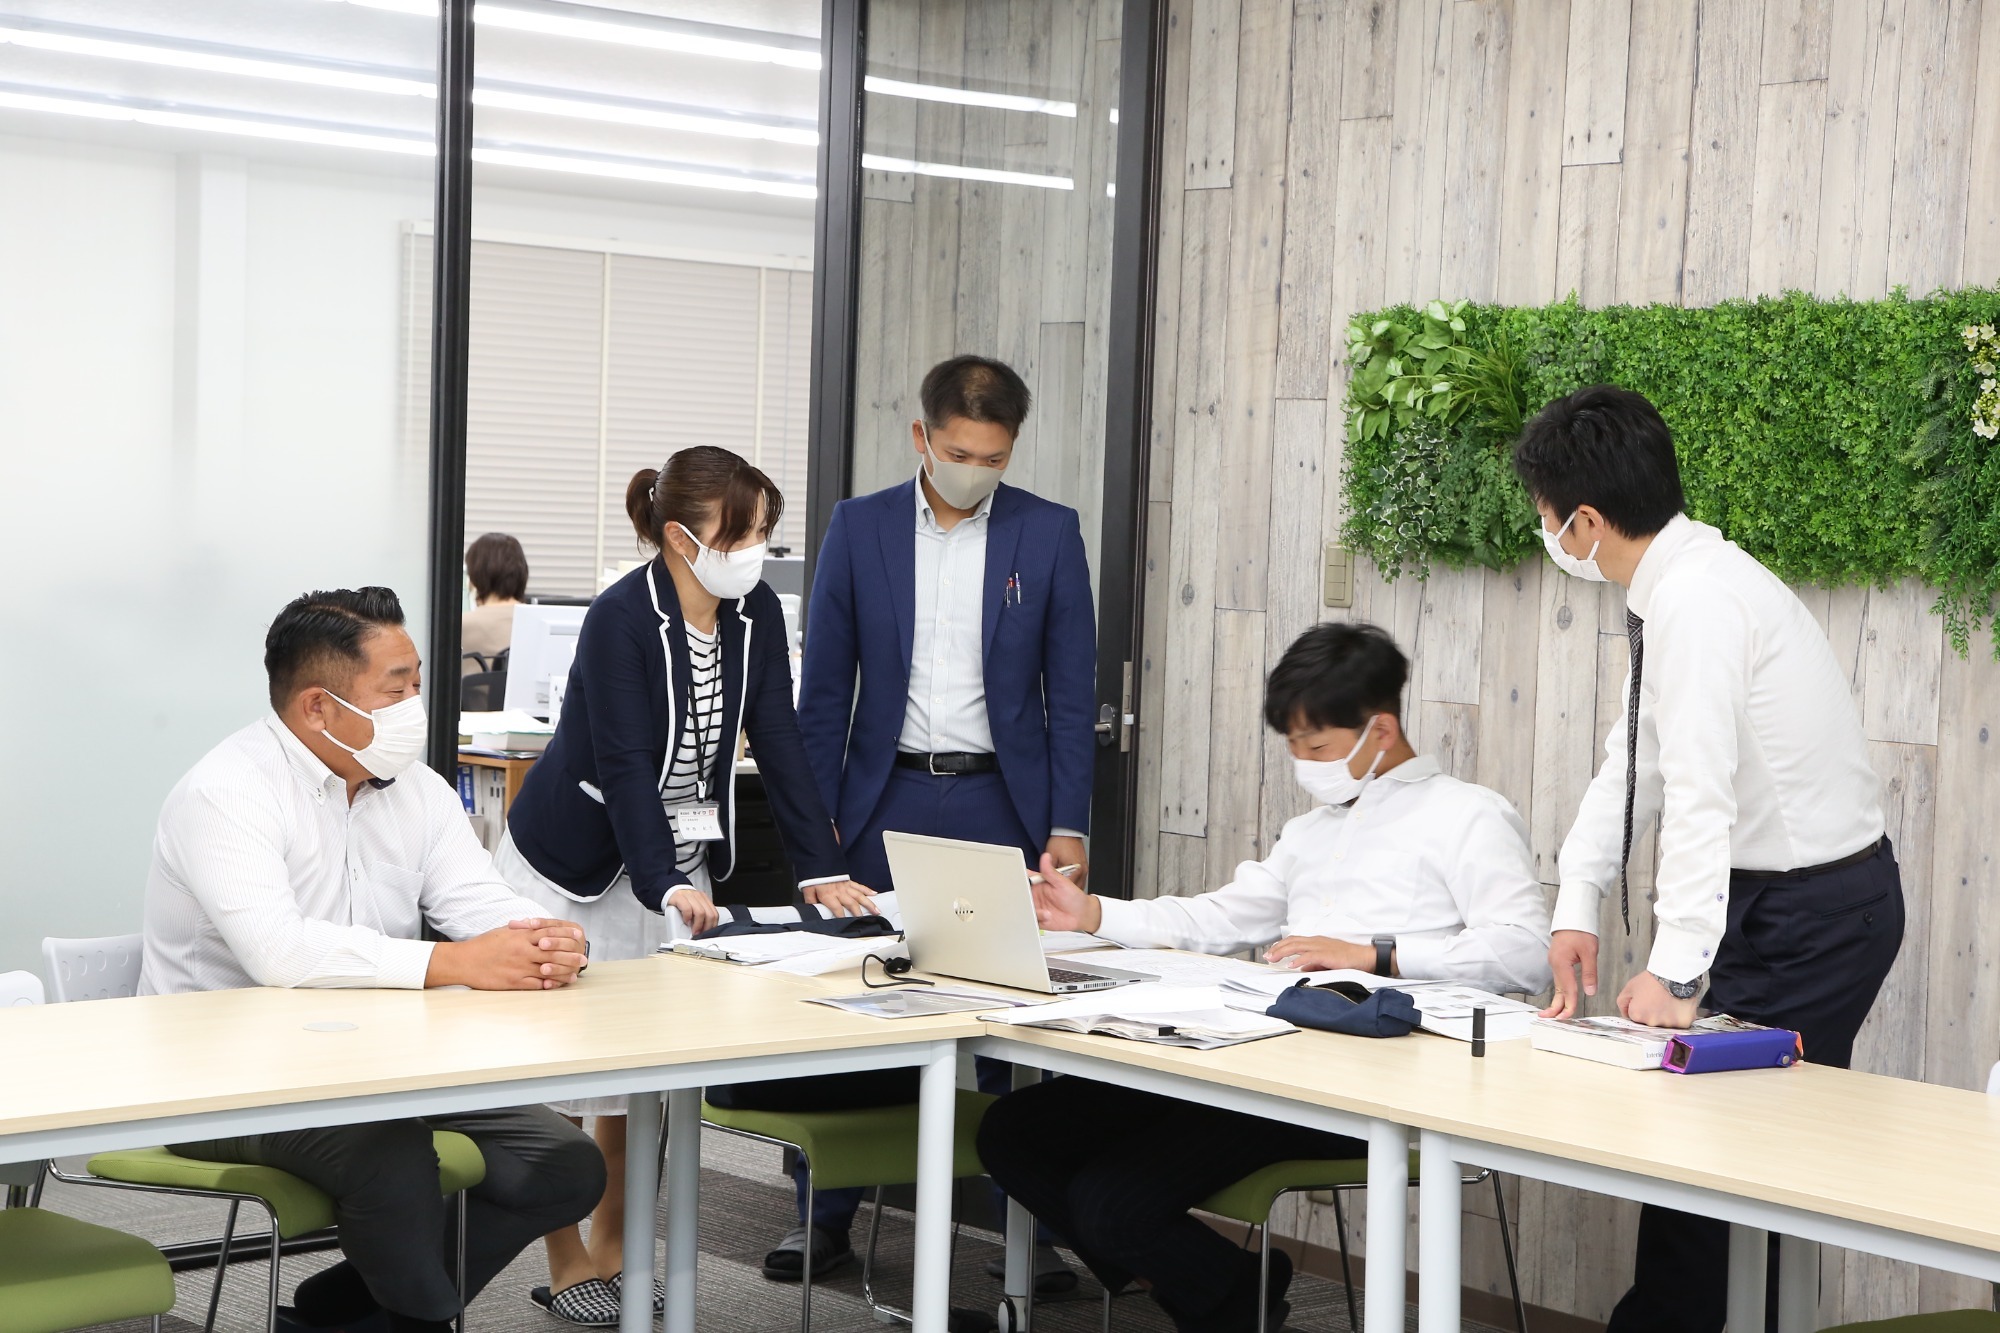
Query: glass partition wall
point(205, 330)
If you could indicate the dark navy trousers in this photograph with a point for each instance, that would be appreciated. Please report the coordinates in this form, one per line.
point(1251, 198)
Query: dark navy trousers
point(973, 808)
point(1806, 952)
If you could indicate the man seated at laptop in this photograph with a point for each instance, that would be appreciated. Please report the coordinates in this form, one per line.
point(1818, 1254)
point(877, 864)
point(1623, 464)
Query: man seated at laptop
point(310, 849)
point(1398, 870)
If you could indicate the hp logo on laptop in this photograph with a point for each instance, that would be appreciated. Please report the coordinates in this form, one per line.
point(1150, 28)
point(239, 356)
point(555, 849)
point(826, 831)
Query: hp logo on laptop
point(961, 909)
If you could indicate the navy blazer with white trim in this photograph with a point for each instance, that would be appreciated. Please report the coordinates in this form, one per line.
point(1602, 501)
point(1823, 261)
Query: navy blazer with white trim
point(590, 807)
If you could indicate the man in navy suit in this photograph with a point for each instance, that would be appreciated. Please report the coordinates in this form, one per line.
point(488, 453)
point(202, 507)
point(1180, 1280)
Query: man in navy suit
point(950, 676)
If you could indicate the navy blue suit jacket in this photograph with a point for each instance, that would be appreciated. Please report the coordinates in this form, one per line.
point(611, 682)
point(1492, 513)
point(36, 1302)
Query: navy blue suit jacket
point(1040, 653)
point(590, 807)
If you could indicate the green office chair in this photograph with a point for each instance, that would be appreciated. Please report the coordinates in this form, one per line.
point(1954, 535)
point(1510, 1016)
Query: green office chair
point(849, 1149)
point(59, 1273)
point(108, 967)
point(1251, 1199)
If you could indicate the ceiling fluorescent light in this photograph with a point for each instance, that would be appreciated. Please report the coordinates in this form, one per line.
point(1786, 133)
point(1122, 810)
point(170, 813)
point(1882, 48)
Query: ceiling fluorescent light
point(334, 136)
point(657, 173)
point(654, 115)
point(931, 92)
point(662, 35)
point(876, 162)
point(211, 59)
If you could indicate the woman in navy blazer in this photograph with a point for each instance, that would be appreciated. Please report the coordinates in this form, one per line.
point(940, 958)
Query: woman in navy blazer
point(629, 816)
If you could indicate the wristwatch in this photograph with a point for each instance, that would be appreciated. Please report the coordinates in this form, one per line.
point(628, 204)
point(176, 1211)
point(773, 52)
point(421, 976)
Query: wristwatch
point(1682, 990)
point(1385, 948)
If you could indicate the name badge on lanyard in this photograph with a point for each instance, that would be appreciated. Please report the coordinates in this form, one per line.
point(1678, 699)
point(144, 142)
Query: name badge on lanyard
point(701, 822)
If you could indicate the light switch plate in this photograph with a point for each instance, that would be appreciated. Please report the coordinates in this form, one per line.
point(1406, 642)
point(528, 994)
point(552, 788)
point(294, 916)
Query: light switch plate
point(1339, 575)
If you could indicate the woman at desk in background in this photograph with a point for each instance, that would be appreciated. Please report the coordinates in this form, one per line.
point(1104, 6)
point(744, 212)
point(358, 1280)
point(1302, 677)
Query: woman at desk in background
point(498, 569)
point(628, 817)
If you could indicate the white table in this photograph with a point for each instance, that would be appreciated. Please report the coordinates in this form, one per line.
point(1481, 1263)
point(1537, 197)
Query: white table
point(90, 1077)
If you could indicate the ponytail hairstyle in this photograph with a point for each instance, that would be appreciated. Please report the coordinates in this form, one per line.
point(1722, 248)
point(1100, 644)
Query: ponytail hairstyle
point(694, 487)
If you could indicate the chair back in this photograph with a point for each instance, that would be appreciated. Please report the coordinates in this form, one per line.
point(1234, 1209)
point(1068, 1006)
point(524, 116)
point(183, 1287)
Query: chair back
point(1993, 1082)
point(103, 968)
point(482, 691)
point(19, 988)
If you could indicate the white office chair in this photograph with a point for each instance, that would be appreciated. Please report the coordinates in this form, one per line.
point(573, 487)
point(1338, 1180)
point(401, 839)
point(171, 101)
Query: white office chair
point(103, 968)
point(20, 988)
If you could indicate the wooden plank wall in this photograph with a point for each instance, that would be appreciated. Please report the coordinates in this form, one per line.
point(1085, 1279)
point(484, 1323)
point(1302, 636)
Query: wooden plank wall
point(1013, 271)
point(1324, 156)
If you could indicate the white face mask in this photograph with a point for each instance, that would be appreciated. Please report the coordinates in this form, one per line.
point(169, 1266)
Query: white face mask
point(727, 574)
point(400, 733)
point(960, 485)
point(1332, 781)
point(1586, 568)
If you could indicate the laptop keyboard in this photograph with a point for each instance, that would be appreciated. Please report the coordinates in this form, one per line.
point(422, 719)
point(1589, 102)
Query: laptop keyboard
point(1064, 976)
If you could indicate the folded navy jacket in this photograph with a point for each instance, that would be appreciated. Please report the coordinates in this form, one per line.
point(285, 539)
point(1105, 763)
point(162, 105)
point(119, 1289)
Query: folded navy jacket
point(1385, 1013)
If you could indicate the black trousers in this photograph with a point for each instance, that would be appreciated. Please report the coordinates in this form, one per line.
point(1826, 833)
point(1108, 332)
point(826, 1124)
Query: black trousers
point(1115, 1171)
point(542, 1174)
point(1808, 953)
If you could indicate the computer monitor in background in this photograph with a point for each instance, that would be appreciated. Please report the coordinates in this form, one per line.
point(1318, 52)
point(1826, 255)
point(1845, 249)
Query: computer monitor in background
point(543, 646)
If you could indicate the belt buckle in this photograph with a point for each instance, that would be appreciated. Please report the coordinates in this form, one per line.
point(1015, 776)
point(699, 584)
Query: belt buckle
point(930, 762)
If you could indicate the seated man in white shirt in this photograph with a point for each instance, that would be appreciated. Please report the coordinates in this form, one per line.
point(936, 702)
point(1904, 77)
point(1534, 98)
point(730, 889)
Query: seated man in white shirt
point(1400, 870)
point(310, 849)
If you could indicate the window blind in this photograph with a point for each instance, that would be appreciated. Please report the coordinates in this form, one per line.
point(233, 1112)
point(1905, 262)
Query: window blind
point(587, 366)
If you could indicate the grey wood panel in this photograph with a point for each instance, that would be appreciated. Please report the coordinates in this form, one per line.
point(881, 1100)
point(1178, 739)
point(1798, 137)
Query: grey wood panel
point(1308, 340)
point(1417, 165)
point(1531, 169)
point(1587, 238)
point(1722, 147)
point(1864, 64)
point(1653, 198)
point(1211, 102)
point(1785, 189)
point(1593, 121)
point(1933, 140)
point(1507, 680)
point(1368, 58)
point(1480, 39)
point(1796, 40)
point(1236, 744)
point(1982, 219)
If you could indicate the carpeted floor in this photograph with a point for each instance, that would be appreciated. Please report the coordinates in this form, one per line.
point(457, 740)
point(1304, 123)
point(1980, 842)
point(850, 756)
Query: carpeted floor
point(746, 1205)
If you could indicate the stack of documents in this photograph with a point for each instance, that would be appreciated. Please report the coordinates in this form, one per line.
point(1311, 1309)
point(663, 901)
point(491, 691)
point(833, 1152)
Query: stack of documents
point(800, 953)
point(1446, 1006)
point(508, 730)
point(1166, 1015)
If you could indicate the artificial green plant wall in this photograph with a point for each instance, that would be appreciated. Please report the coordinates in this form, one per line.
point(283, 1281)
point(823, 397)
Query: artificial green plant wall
point(1838, 441)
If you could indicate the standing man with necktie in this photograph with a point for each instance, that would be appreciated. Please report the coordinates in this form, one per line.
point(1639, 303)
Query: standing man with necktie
point(949, 689)
point(1777, 888)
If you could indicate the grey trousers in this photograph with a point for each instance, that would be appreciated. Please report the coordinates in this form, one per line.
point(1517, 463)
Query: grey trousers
point(542, 1174)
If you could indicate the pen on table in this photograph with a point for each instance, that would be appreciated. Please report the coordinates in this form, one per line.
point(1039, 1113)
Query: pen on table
point(1479, 1029)
point(1064, 871)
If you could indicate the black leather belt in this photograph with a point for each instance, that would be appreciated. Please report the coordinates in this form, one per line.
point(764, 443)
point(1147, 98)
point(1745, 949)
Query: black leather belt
point(947, 765)
point(1843, 863)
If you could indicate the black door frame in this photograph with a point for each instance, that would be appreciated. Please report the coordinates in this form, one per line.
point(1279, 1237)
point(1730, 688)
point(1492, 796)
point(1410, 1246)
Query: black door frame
point(1129, 372)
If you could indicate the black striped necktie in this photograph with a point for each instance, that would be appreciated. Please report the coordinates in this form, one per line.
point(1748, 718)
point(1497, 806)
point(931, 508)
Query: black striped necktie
point(1634, 631)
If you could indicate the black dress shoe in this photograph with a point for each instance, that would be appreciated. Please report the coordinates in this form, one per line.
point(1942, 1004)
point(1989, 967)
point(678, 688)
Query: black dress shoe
point(373, 1322)
point(786, 1263)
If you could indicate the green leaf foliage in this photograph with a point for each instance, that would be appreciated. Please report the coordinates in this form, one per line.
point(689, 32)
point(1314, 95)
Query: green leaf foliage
point(1833, 439)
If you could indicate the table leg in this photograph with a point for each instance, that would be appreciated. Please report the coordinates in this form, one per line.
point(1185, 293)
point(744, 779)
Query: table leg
point(683, 1206)
point(1020, 1233)
point(642, 1190)
point(1748, 1247)
point(937, 1101)
point(1798, 1285)
point(1439, 1205)
point(1388, 1225)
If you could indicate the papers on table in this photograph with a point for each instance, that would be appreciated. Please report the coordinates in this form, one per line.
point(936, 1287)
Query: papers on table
point(1157, 1012)
point(1447, 1011)
point(1244, 985)
point(916, 1001)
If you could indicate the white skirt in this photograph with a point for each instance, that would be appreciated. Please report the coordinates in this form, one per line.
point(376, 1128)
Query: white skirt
point(615, 923)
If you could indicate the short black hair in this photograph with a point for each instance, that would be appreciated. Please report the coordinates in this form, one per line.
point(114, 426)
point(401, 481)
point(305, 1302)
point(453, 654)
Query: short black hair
point(498, 567)
point(1336, 675)
point(317, 639)
point(1604, 447)
point(976, 388)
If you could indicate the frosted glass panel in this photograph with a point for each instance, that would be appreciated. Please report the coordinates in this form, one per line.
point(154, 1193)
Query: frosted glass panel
point(204, 343)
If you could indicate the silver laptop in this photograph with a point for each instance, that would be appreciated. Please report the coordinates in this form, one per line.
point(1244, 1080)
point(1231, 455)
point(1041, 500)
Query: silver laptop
point(969, 912)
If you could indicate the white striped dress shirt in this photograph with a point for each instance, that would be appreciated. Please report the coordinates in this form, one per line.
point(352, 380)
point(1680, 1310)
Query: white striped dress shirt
point(264, 875)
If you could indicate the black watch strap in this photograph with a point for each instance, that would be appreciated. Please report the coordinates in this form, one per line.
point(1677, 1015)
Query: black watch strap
point(1680, 990)
point(1385, 948)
